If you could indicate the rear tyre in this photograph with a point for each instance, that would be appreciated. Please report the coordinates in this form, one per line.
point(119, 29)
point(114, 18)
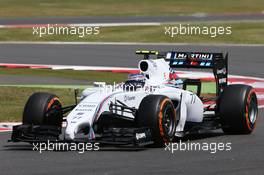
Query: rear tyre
point(43, 109)
point(158, 113)
point(238, 109)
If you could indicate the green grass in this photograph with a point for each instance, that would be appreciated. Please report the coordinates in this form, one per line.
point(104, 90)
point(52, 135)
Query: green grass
point(13, 99)
point(49, 86)
point(242, 32)
point(33, 8)
point(207, 88)
point(90, 76)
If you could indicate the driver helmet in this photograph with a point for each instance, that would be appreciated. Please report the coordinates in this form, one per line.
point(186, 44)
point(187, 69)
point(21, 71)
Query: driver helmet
point(134, 82)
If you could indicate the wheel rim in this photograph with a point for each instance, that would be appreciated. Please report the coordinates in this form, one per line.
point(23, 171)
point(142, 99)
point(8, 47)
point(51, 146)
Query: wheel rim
point(252, 110)
point(168, 120)
point(55, 107)
point(53, 112)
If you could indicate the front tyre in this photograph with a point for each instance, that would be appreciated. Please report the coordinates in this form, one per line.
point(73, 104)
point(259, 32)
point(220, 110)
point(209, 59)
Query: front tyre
point(157, 112)
point(238, 109)
point(43, 109)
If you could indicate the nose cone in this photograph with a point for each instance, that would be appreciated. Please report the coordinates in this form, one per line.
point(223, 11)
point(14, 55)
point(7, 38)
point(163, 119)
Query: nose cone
point(70, 132)
point(74, 128)
point(69, 136)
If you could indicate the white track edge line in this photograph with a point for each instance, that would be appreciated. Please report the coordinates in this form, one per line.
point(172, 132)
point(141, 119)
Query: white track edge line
point(128, 43)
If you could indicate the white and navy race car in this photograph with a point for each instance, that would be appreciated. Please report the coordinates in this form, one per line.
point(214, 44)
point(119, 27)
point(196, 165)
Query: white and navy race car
point(152, 107)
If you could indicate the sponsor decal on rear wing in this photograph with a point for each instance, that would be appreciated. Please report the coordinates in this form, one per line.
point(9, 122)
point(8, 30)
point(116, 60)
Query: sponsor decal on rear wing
point(202, 60)
point(191, 59)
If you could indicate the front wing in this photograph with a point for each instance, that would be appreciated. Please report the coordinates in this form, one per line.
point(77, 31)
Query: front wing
point(135, 137)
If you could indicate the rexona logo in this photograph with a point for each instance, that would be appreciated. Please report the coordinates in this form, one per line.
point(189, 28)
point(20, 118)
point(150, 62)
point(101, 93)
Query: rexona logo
point(129, 98)
point(221, 71)
point(140, 136)
point(222, 80)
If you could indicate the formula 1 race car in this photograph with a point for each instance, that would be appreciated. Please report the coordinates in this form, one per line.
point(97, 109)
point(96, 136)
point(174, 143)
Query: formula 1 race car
point(152, 107)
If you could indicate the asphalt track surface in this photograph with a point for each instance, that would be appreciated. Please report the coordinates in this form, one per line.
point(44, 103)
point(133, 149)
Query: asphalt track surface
point(243, 60)
point(127, 19)
point(246, 156)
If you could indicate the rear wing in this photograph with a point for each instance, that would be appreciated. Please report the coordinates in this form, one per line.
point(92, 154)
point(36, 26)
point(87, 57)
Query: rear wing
point(192, 59)
point(218, 62)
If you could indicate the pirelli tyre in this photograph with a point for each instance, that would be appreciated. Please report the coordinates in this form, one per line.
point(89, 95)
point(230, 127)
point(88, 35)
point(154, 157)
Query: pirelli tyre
point(43, 109)
point(158, 113)
point(238, 109)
